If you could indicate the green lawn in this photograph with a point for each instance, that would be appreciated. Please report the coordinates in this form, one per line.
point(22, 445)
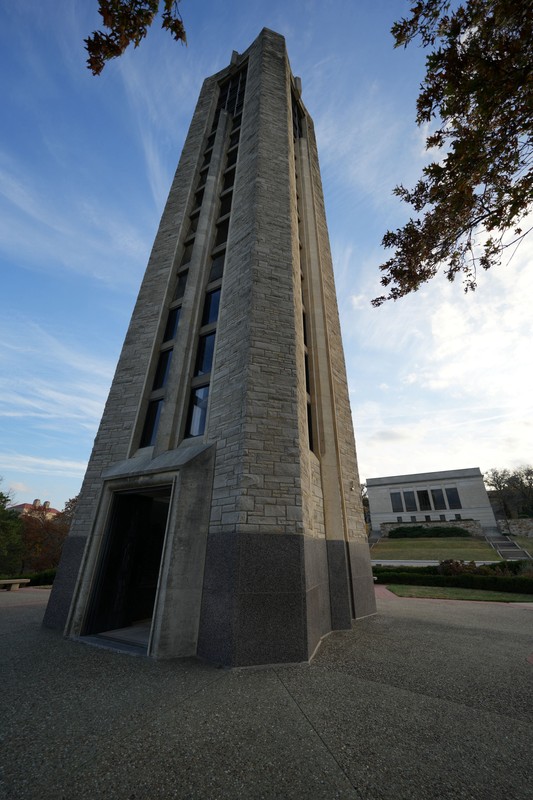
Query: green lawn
point(456, 593)
point(462, 549)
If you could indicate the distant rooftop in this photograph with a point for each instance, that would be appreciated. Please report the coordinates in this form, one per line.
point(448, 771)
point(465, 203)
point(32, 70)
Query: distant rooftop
point(442, 475)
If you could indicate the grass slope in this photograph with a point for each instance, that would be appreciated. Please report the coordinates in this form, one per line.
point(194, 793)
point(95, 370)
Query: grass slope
point(471, 549)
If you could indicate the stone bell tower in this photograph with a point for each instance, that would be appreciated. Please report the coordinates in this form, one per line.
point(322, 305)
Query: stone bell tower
point(221, 512)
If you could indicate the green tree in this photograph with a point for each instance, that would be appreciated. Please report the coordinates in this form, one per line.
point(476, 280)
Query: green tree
point(127, 22)
point(11, 545)
point(477, 96)
point(513, 489)
point(43, 536)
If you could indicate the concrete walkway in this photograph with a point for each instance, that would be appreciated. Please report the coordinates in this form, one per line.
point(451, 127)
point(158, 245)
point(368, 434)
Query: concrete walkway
point(430, 699)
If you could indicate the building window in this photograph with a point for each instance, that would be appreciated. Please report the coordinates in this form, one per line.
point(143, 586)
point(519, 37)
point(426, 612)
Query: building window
point(396, 501)
point(229, 180)
point(197, 413)
point(297, 119)
point(453, 498)
point(457, 516)
point(151, 422)
point(399, 519)
point(413, 519)
point(410, 501)
point(222, 233)
point(427, 518)
point(180, 286)
point(217, 267)
point(423, 500)
point(442, 517)
point(204, 355)
point(225, 204)
point(172, 324)
point(211, 306)
point(232, 158)
point(198, 197)
point(187, 253)
point(163, 366)
point(437, 495)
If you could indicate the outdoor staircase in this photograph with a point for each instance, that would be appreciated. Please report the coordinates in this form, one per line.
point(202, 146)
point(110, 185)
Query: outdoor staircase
point(507, 548)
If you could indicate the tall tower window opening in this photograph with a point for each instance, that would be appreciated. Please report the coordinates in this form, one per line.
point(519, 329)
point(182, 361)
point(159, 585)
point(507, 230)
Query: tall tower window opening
point(297, 130)
point(231, 99)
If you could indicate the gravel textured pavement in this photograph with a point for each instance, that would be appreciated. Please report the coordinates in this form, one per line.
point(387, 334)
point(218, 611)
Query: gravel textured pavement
point(428, 699)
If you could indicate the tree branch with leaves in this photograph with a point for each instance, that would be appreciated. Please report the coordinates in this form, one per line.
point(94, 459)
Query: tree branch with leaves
point(127, 22)
point(478, 91)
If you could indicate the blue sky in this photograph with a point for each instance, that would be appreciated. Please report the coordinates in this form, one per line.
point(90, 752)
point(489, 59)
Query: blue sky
point(438, 380)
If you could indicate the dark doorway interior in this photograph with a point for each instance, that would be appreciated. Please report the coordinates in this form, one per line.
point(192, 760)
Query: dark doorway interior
point(123, 597)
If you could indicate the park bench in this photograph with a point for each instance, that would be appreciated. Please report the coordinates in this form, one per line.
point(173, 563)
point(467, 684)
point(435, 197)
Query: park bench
point(12, 584)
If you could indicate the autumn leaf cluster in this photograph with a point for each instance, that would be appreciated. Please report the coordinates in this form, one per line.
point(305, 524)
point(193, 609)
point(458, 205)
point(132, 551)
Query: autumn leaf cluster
point(127, 22)
point(477, 100)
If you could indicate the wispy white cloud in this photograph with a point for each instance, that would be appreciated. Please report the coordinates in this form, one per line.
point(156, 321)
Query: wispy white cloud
point(32, 464)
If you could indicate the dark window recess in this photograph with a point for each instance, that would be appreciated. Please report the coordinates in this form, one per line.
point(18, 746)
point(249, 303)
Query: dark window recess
point(222, 233)
point(203, 178)
point(427, 518)
point(193, 225)
point(442, 517)
point(232, 159)
point(399, 519)
point(197, 412)
point(310, 428)
point(198, 197)
point(180, 288)
point(225, 205)
point(437, 495)
point(207, 159)
point(204, 356)
point(396, 500)
point(217, 267)
point(234, 139)
point(211, 140)
point(151, 422)
point(163, 366)
point(215, 120)
point(187, 253)
point(211, 305)
point(236, 122)
point(423, 500)
point(410, 501)
point(413, 519)
point(172, 324)
point(305, 330)
point(232, 92)
point(307, 378)
point(229, 180)
point(297, 118)
point(453, 498)
point(457, 516)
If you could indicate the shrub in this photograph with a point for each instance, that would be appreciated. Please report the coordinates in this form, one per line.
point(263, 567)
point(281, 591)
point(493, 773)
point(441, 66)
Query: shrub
point(419, 531)
point(44, 578)
point(495, 583)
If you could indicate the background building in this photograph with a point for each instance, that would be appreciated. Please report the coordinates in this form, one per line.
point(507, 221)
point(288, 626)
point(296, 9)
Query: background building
point(221, 513)
point(430, 497)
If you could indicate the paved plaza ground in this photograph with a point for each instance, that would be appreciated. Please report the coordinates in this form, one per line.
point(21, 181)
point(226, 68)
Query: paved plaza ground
point(428, 699)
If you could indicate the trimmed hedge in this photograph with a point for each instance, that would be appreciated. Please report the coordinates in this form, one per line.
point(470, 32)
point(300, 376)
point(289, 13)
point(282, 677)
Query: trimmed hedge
point(42, 578)
point(496, 583)
point(429, 570)
point(419, 532)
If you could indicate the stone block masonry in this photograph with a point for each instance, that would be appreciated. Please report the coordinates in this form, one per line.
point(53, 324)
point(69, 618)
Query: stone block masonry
point(221, 506)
